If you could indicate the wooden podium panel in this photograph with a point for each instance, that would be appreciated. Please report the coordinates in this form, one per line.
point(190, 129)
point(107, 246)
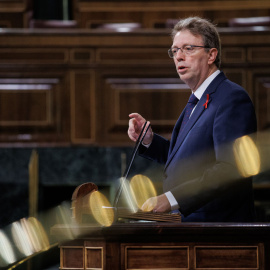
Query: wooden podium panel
point(155, 257)
point(235, 257)
point(157, 245)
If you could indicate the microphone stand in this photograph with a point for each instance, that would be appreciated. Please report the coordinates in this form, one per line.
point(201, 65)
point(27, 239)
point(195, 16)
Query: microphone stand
point(125, 175)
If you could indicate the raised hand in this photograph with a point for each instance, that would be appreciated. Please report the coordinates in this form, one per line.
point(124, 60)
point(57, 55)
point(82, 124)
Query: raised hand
point(136, 124)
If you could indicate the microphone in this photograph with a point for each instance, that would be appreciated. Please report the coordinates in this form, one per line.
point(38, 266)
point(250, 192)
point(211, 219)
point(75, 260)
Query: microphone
point(125, 175)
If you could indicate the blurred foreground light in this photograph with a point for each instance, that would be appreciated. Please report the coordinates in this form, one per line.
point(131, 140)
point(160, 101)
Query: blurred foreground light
point(142, 189)
point(128, 196)
point(21, 239)
point(7, 255)
point(37, 234)
point(64, 216)
point(247, 156)
point(101, 209)
point(29, 236)
point(149, 205)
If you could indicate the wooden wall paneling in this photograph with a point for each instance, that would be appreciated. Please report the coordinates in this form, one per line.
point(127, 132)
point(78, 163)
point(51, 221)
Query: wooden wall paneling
point(13, 5)
point(133, 56)
point(259, 55)
point(83, 106)
point(158, 96)
point(5, 23)
point(97, 19)
point(110, 74)
point(33, 109)
point(262, 101)
point(26, 104)
point(221, 17)
point(261, 81)
point(15, 13)
point(153, 14)
point(74, 8)
point(10, 20)
point(39, 92)
point(82, 56)
point(233, 55)
point(172, 5)
point(40, 56)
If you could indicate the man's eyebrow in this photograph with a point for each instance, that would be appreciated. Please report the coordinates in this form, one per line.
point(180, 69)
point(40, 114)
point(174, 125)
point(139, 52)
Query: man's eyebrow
point(185, 44)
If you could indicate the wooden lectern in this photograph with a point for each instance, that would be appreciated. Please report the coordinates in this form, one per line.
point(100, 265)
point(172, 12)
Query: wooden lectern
point(170, 246)
point(141, 245)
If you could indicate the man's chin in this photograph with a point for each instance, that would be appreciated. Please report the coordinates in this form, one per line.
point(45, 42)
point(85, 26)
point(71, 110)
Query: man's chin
point(183, 77)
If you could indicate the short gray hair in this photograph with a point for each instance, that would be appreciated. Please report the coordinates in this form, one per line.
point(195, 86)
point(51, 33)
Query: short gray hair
point(204, 28)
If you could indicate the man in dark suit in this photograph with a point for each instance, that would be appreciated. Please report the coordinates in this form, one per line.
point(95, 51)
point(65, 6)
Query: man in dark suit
point(201, 179)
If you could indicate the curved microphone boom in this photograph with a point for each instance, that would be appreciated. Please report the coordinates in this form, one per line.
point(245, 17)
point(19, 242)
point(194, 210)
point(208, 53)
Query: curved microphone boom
point(124, 177)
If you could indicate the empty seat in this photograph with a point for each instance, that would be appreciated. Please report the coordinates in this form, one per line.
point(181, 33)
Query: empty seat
point(250, 21)
point(121, 27)
point(52, 24)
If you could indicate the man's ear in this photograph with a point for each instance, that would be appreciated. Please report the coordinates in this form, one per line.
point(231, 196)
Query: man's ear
point(213, 52)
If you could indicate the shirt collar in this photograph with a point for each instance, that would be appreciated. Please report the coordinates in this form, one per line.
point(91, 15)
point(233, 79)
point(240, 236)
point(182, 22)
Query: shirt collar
point(199, 92)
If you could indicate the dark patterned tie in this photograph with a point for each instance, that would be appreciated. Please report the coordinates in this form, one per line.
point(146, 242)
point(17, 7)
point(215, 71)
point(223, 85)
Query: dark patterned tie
point(177, 129)
point(189, 107)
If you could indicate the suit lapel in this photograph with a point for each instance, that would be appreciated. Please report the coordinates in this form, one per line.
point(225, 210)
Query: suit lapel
point(193, 119)
point(176, 131)
point(200, 108)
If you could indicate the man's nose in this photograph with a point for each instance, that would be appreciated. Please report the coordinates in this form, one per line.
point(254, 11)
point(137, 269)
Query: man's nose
point(179, 54)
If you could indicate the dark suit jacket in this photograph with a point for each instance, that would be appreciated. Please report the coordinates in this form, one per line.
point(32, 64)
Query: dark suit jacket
point(200, 169)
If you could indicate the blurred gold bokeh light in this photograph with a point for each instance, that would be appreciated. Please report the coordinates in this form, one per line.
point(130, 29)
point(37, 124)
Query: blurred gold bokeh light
point(101, 209)
point(247, 156)
point(142, 189)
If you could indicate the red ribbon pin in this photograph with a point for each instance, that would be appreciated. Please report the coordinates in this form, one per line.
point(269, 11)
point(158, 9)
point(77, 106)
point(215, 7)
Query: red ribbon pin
point(207, 99)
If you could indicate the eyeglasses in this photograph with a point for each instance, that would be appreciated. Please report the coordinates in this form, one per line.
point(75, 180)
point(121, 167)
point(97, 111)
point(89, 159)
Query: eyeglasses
point(186, 49)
